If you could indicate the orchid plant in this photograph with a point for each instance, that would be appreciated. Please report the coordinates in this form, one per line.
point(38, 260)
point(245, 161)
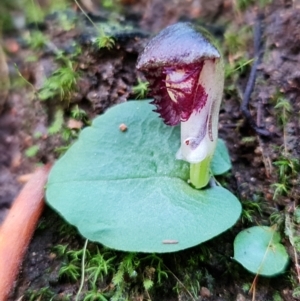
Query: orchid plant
point(186, 76)
point(130, 192)
point(120, 184)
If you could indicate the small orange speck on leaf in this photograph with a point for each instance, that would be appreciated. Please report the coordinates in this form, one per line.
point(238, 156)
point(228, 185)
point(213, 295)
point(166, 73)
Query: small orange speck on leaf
point(123, 127)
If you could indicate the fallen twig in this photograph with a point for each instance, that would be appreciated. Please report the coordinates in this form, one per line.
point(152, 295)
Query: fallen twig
point(258, 54)
point(182, 285)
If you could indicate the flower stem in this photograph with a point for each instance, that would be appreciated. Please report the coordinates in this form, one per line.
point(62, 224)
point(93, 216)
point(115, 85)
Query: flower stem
point(200, 173)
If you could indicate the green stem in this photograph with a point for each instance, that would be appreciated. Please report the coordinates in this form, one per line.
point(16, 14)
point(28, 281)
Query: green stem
point(200, 173)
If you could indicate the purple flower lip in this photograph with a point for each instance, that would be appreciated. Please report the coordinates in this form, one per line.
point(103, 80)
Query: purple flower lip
point(172, 62)
point(176, 98)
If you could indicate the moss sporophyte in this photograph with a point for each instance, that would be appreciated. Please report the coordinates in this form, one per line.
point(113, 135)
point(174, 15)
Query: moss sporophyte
point(186, 77)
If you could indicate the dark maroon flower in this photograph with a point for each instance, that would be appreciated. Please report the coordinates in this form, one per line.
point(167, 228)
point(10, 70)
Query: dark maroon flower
point(185, 74)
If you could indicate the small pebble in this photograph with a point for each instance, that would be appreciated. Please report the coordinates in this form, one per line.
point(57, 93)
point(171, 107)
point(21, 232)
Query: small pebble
point(22, 179)
point(74, 124)
point(12, 46)
point(240, 297)
point(205, 292)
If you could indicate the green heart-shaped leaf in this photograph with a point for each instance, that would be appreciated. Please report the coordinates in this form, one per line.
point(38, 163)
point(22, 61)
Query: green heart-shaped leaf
point(259, 250)
point(126, 190)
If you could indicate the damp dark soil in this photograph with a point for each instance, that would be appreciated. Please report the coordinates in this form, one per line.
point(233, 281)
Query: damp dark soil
point(106, 77)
